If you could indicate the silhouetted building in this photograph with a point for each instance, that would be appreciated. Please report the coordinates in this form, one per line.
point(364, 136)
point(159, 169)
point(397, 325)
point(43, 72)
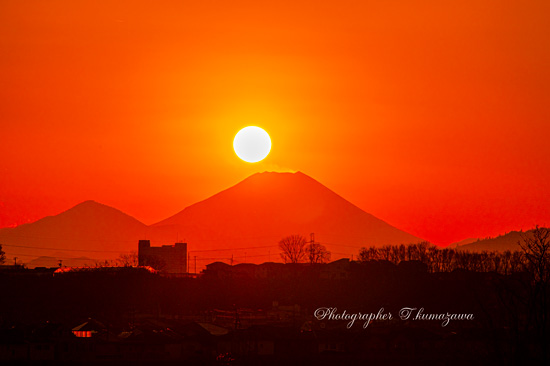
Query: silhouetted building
point(167, 258)
point(89, 329)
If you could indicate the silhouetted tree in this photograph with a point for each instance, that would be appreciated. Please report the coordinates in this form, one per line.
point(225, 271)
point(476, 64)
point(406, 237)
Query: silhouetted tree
point(432, 254)
point(317, 253)
point(105, 263)
point(385, 252)
point(506, 262)
point(447, 259)
point(421, 249)
point(2, 255)
point(368, 254)
point(402, 252)
point(536, 250)
point(293, 249)
point(154, 261)
point(128, 259)
point(516, 263)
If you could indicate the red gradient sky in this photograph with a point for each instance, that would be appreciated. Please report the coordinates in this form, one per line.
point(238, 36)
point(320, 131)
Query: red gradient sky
point(431, 115)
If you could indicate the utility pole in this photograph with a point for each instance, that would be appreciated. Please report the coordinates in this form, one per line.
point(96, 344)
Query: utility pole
point(15, 261)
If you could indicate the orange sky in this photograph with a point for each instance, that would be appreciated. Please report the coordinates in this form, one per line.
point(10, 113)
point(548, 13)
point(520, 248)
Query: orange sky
point(431, 115)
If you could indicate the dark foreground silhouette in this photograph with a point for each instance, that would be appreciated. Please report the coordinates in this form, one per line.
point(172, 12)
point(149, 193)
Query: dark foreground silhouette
point(265, 314)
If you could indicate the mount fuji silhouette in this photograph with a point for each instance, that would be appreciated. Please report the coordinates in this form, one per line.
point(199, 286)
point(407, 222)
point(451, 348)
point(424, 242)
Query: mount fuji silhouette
point(265, 207)
point(246, 220)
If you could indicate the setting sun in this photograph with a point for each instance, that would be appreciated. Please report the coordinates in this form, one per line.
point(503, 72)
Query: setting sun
point(252, 144)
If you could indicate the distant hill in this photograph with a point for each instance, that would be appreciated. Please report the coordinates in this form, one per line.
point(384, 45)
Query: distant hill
point(50, 262)
point(90, 229)
point(463, 242)
point(265, 207)
point(502, 243)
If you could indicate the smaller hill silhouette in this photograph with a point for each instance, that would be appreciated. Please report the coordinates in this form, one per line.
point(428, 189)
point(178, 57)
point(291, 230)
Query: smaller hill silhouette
point(89, 228)
point(53, 261)
point(501, 243)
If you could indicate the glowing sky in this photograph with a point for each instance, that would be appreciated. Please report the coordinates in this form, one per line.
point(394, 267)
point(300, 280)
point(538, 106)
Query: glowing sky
point(431, 115)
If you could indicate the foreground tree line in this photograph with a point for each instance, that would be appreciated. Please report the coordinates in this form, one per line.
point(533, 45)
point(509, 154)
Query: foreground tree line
point(533, 255)
point(524, 296)
point(447, 259)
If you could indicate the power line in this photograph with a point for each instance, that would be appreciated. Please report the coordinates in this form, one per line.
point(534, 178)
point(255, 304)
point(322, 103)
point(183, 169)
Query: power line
point(145, 234)
point(18, 254)
point(341, 253)
point(50, 256)
point(240, 238)
point(229, 258)
point(117, 251)
point(341, 245)
point(70, 239)
point(65, 249)
point(191, 251)
point(229, 249)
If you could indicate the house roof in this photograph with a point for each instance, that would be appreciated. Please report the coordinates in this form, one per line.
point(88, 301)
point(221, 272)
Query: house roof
point(90, 325)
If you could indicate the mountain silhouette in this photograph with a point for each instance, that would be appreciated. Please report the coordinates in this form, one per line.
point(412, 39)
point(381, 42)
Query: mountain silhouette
point(89, 228)
point(244, 222)
point(265, 207)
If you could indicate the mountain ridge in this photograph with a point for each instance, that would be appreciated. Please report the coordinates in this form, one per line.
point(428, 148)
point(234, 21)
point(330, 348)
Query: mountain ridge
point(88, 227)
point(256, 212)
point(295, 200)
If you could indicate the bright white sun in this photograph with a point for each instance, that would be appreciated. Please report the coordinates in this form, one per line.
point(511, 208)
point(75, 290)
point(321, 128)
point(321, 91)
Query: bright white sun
point(252, 144)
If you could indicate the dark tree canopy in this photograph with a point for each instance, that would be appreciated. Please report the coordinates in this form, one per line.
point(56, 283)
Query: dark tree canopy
point(317, 253)
point(536, 249)
point(293, 249)
point(447, 259)
point(128, 259)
